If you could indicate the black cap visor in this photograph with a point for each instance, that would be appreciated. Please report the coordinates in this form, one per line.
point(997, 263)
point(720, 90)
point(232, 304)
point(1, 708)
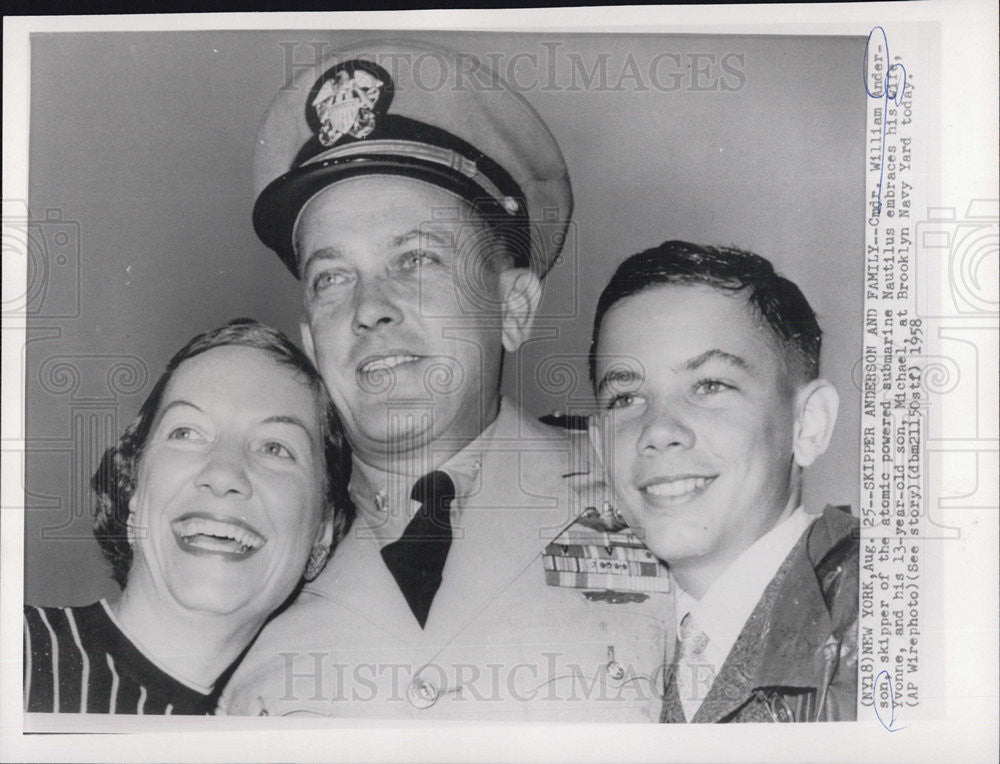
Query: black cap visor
point(279, 204)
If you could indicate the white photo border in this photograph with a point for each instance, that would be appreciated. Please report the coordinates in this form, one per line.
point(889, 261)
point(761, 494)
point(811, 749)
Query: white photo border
point(965, 172)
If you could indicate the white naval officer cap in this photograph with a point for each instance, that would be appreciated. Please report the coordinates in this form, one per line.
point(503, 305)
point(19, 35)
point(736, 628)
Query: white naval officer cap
point(399, 107)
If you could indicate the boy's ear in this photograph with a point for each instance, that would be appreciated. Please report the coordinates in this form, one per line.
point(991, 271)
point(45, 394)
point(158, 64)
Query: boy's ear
point(521, 292)
point(816, 406)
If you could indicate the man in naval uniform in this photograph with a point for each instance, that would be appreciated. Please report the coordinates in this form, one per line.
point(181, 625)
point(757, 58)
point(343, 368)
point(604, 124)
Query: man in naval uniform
point(475, 582)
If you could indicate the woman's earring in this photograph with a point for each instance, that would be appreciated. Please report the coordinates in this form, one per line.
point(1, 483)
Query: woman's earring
point(130, 529)
point(317, 560)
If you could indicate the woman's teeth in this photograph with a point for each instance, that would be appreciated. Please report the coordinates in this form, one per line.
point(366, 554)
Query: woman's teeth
point(217, 535)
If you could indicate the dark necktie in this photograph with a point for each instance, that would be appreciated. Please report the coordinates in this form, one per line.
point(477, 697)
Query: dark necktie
point(417, 558)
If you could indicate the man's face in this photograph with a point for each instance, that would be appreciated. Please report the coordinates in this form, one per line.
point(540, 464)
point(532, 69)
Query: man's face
point(699, 424)
point(403, 311)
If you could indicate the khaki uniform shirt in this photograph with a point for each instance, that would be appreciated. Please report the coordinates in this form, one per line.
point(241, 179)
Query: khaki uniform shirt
point(538, 617)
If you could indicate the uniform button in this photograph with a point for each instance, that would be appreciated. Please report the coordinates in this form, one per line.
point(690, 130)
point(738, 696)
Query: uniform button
point(421, 693)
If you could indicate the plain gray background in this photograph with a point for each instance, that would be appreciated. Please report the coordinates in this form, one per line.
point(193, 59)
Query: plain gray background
point(141, 193)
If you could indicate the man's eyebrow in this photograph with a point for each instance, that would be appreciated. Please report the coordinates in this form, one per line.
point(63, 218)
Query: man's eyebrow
point(442, 240)
point(716, 354)
point(618, 376)
point(323, 253)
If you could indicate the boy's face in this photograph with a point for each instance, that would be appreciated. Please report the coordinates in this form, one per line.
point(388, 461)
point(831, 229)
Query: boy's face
point(698, 424)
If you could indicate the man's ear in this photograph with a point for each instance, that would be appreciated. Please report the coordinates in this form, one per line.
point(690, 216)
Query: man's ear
point(602, 445)
point(307, 341)
point(816, 406)
point(595, 431)
point(521, 292)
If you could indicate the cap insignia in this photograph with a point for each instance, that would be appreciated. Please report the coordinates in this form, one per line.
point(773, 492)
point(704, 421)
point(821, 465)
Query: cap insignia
point(347, 100)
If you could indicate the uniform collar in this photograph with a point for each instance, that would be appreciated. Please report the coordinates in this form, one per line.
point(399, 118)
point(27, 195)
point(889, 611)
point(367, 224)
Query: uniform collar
point(383, 497)
point(517, 504)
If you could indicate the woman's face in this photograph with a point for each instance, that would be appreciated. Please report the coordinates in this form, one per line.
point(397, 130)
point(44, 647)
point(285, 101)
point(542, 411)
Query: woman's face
point(229, 496)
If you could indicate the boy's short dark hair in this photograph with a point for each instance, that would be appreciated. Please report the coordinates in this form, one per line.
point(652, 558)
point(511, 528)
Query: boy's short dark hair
point(775, 299)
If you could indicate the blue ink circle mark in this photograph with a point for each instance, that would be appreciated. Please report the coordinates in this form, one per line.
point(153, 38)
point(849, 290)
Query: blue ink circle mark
point(892, 703)
point(895, 94)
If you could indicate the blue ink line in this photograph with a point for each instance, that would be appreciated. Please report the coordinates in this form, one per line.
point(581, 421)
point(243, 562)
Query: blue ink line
point(896, 95)
point(892, 702)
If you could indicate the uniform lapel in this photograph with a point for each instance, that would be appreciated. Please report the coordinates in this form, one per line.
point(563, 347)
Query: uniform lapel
point(518, 506)
point(357, 579)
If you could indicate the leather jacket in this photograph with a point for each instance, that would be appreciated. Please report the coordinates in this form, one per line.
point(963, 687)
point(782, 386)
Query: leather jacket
point(796, 659)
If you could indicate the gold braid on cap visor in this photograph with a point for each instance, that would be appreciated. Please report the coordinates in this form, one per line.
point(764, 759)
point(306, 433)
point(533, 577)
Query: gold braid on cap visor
point(426, 153)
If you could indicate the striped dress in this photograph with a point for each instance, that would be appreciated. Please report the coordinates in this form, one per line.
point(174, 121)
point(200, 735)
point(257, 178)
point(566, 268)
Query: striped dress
point(78, 660)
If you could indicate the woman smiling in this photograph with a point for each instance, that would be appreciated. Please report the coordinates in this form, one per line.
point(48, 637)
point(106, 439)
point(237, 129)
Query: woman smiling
point(227, 491)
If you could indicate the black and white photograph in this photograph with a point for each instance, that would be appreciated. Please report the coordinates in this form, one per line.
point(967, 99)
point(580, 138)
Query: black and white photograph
point(423, 376)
